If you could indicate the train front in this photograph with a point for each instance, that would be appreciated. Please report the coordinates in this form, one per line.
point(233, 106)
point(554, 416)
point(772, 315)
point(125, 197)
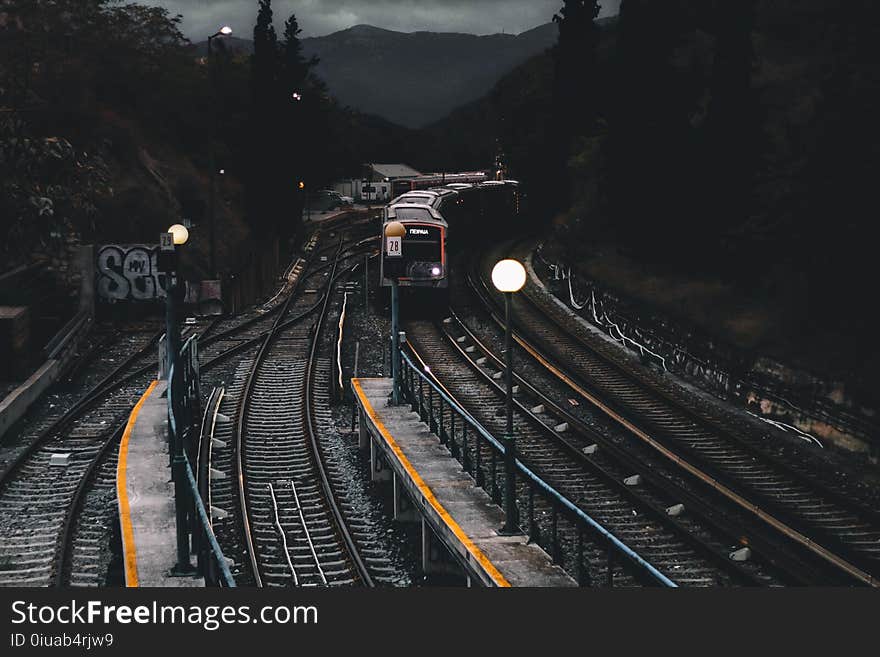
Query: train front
point(423, 263)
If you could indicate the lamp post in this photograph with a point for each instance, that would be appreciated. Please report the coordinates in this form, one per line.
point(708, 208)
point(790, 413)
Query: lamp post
point(394, 232)
point(509, 276)
point(179, 235)
point(223, 31)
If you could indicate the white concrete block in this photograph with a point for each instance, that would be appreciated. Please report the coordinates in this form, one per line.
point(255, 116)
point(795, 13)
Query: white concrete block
point(742, 554)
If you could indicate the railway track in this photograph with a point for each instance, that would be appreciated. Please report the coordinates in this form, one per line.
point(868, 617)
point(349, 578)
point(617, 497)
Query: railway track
point(228, 364)
point(295, 532)
point(643, 516)
point(42, 487)
point(837, 536)
point(57, 490)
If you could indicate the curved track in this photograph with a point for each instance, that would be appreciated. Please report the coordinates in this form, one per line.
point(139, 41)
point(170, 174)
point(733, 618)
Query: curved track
point(689, 553)
point(42, 487)
point(57, 487)
point(294, 531)
point(826, 525)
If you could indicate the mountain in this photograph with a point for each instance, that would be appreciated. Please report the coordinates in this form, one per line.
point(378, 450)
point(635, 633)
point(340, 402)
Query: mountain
point(417, 78)
point(413, 79)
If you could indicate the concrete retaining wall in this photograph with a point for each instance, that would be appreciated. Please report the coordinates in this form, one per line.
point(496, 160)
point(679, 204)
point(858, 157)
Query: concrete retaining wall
point(767, 388)
point(65, 344)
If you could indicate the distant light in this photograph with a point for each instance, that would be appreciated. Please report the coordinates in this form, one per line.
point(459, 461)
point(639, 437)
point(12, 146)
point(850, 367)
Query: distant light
point(226, 30)
point(179, 234)
point(296, 96)
point(436, 271)
point(222, 171)
point(509, 276)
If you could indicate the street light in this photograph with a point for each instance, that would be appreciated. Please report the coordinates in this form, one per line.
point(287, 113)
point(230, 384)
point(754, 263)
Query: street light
point(179, 234)
point(394, 233)
point(223, 31)
point(508, 277)
point(176, 236)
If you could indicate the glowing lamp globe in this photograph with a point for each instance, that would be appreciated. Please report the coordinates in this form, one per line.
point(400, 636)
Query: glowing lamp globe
point(179, 234)
point(395, 229)
point(509, 276)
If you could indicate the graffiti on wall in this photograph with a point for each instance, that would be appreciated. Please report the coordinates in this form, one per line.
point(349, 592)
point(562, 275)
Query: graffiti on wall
point(129, 273)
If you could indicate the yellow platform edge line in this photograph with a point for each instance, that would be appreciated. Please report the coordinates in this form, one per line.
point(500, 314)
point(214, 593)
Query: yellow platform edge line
point(471, 547)
point(128, 546)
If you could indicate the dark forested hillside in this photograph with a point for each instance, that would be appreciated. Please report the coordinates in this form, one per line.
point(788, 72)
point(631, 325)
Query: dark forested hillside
point(732, 139)
point(102, 127)
point(110, 121)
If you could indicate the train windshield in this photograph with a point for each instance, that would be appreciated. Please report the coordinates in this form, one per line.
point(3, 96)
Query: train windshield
point(422, 199)
point(418, 214)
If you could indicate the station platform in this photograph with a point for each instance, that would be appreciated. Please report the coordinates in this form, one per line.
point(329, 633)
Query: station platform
point(145, 494)
point(430, 487)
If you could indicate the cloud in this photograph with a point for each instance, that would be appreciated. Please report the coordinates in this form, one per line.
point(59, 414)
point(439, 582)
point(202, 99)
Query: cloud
point(318, 17)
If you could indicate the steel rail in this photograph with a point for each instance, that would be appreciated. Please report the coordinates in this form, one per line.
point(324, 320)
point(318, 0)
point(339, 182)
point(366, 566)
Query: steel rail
point(624, 550)
point(329, 494)
point(660, 514)
point(280, 529)
point(305, 526)
point(244, 504)
point(240, 427)
point(740, 500)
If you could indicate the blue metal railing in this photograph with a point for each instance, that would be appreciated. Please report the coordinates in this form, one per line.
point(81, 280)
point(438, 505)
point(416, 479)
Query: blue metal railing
point(442, 413)
point(184, 398)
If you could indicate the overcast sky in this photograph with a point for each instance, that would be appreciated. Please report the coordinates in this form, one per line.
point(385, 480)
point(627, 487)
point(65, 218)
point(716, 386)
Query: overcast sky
point(319, 17)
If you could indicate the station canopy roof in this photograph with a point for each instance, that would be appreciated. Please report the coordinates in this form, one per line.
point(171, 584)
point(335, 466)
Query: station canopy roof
point(393, 171)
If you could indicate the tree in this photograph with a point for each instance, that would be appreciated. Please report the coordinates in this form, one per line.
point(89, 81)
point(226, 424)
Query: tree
point(295, 67)
point(843, 156)
point(574, 87)
point(263, 177)
point(297, 100)
point(650, 170)
point(575, 66)
point(732, 123)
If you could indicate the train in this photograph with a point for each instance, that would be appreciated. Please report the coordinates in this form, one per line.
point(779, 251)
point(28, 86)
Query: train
point(436, 180)
point(459, 213)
